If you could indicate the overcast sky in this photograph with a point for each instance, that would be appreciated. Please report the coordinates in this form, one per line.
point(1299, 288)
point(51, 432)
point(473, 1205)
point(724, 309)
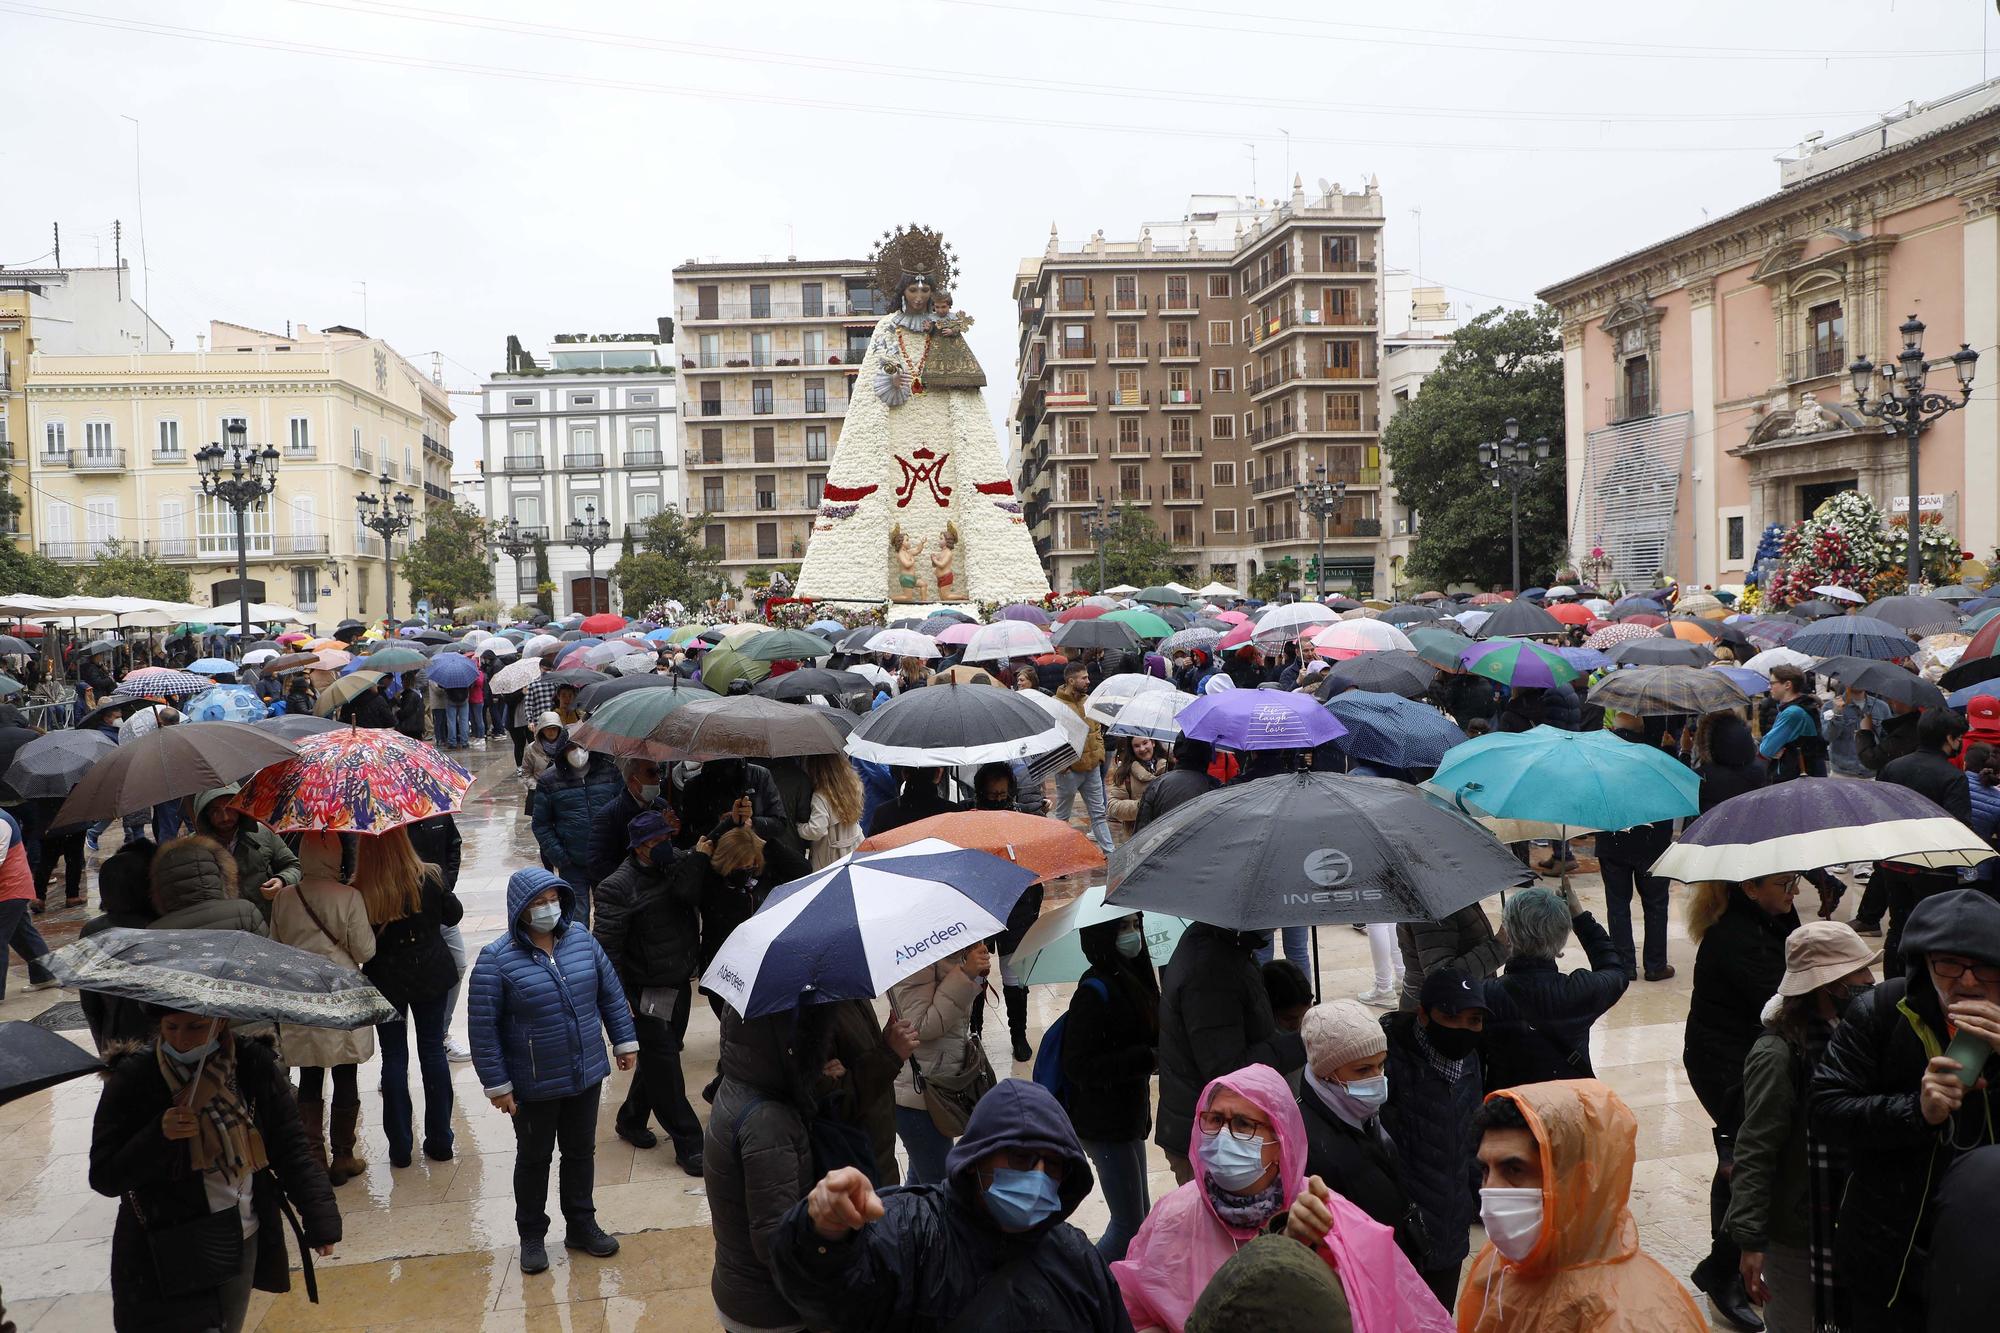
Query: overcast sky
point(489, 167)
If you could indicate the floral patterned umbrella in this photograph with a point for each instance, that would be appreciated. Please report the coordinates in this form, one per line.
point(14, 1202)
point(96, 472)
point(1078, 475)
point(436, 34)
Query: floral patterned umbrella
point(1612, 635)
point(360, 780)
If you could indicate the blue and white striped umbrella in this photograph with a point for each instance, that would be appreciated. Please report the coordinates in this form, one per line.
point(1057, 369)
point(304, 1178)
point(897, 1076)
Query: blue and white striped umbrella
point(862, 924)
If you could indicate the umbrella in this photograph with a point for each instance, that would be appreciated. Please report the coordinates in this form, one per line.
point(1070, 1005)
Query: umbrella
point(348, 688)
point(1102, 632)
point(1809, 823)
point(1401, 673)
point(212, 666)
point(1572, 613)
point(50, 765)
point(119, 702)
point(724, 665)
point(778, 645)
point(1769, 633)
point(1410, 615)
point(1852, 636)
point(1351, 638)
point(804, 684)
point(1690, 630)
point(1611, 636)
point(1915, 616)
point(1260, 720)
point(746, 725)
point(624, 725)
point(147, 717)
point(288, 662)
point(1522, 619)
point(1746, 680)
point(298, 726)
point(594, 696)
point(1772, 657)
point(1004, 639)
point(8, 685)
point(1814, 609)
point(33, 1058)
point(13, 647)
point(1658, 652)
point(357, 780)
point(223, 974)
point(1883, 680)
point(1516, 663)
point(1667, 691)
point(604, 622)
point(1472, 621)
point(163, 683)
point(1486, 599)
point(856, 928)
point(1584, 659)
point(1143, 624)
point(1112, 694)
point(964, 674)
point(1839, 594)
point(1439, 644)
point(1203, 640)
point(1021, 611)
point(429, 636)
point(167, 764)
point(1392, 731)
point(1634, 606)
point(515, 676)
point(956, 725)
point(395, 660)
point(1048, 847)
point(823, 627)
point(1051, 952)
point(902, 643)
point(1297, 620)
point(1582, 779)
point(225, 703)
point(574, 677)
point(958, 633)
point(541, 645)
point(1310, 848)
point(1699, 604)
point(1154, 714)
point(451, 671)
point(856, 639)
point(1958, 592)
point(1161, 597)
point(1082, 611)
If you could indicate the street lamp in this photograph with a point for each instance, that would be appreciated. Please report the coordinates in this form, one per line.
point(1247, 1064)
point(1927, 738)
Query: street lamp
point(386, 515)
point(593, 534)
point(1513, 461)
point(1909, 412)
point(240, 475)
point(1101, 524)
point(1322, 499)
point(516, 544)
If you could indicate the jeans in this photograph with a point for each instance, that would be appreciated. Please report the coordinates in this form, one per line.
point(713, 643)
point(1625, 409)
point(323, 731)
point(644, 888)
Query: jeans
point(1297, 944)
point(1121, 1174)
point(1619, 881)
point(658, 1089)
point(134, 825)
point(455, 716)
point(1091, 784)
point(393, 1036)
point(17, 928)
point(167, 821)
point(925, 1146)
point(496, 717)
point(440, 725)
point(538, 1128)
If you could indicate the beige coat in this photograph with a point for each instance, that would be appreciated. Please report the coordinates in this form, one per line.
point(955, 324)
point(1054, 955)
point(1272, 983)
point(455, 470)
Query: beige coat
point(1128, 785)
point(826, 838)
point(938, 1003)
point(352, 944)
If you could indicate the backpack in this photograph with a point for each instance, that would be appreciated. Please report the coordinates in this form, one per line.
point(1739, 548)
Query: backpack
point(1049, 1055)
point(457, 694)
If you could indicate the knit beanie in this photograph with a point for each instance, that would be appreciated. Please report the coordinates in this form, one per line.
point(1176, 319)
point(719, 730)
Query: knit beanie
point(1340, 1031)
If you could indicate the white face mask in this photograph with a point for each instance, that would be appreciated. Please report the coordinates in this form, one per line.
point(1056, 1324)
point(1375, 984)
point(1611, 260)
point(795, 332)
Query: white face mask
point(1513, 1220)
point(578, 758)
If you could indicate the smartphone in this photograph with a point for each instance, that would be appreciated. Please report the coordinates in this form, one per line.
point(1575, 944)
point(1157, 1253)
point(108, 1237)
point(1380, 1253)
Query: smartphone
point(1972, 1053)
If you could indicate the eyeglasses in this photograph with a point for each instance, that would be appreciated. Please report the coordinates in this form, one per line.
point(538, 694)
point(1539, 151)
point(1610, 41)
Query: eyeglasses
point(1241, 1127)
point(1951, 969)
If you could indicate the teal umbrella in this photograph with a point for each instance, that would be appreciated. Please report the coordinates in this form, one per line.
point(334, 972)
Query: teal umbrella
point(1440, 647)
point(1144, 624)
point(1052, 949)
point(782, 645)
point(1582, 779)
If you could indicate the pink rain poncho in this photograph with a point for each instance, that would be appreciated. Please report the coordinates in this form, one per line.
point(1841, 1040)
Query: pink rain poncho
point(1183, 1242)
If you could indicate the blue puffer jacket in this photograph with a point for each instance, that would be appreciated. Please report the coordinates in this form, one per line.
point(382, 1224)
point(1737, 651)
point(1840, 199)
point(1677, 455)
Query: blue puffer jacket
point(535, 1020)
point(567, 804)
point(1985, 819)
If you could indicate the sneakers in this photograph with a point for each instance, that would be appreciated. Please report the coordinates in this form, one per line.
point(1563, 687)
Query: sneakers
point(90, 840)
point(44, 984)
point(640, 1137)
point(593, 1240)
point(456, 1051)
point(1379, 999)
point(534, 1255)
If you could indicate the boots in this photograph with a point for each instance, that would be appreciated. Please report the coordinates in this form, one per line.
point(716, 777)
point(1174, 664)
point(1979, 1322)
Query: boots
point(312, 1115)
point(1017, 1022)
point(345, 1165)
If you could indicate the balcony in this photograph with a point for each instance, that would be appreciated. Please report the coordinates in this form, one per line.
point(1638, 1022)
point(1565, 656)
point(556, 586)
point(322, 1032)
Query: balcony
point(1311, 423)
point(645, 458)
point(1816, 364)
point(1071, 305)
point(1636, 409)
point(294, 453)
point(97, 460)
point(1082, 398)
point(1180, 493)
point(390, 470)
point(1077, 448)
point(432, 491)
point(432, 446)
point(1278, 266)
point(363, 461)
point(176, 457)
point(1129, 351)
point(532, 533)
point(1173, 398)
point(1179, 305)
point(712, 408)
point(523, 463)
point(1139, 448)
point(831, 309)
point(1191, 444)
point(592, 462)
point(1072, 351)
point(1180, 349)
point(1347, 266)
point(1293, 318)
point(1264, 483)
point(305, 543)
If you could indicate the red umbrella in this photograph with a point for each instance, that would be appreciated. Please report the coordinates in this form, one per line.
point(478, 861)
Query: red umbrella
point(604, 622)
point(1485, 599)
point(1080, 612)
point(1571, 613)
point(1645, 618)
point(356, 780)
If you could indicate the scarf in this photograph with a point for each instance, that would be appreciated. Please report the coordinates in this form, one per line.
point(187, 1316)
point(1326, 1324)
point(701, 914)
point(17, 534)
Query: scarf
point(1246, 1212)
point(1826, 1181)
point(226, 1139)
point(1446, 1068)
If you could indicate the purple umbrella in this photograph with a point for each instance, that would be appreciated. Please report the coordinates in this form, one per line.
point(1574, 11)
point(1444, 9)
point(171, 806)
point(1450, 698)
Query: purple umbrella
point(1034, 615)
point(1260, 720)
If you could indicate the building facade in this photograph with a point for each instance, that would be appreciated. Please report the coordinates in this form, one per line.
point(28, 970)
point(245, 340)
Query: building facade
point(110, 443)
point(1422, 325)
point(768, 353)
point(583, 432)
point(1706, 387)
point(1197, 374)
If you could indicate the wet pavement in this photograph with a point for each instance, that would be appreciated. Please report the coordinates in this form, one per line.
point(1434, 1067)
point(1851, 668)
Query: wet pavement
point(432, 1245)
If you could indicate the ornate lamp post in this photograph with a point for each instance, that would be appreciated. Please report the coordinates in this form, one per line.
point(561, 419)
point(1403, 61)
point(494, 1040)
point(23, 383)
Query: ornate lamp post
point(1101, 524)
point(1513, 461)
point(1907, 413)
point(509, 538)
point(386, 515)
point(240, 475)
point(1321, 499)
point(593, 534)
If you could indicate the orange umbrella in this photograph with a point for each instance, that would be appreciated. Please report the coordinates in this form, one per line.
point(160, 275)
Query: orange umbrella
point(1571, 613)
point(1046, 846)
point(1687, 629)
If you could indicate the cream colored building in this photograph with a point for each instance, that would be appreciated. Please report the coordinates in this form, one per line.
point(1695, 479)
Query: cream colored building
point(110, 444)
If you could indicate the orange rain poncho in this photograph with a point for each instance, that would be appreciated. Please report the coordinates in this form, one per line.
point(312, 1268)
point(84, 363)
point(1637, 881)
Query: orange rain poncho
point(1586, 1274)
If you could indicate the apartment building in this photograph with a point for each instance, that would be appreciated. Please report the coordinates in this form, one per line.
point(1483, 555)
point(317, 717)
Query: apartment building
point(769, 352)
point(1198, 373)
point(578, 433)
point(112, 439)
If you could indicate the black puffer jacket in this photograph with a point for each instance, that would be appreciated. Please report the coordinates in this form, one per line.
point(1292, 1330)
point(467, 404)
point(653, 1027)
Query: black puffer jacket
point(1539, 1016)
point(411, 962)
point(1737, 968)
point(437, 840)
point(125, 893)
point(1429, 1118)
point(1215, 1018)
point(1108, 1041)
point(1733, 766)
point(1175, 787)
point(1891, 740)
point(1464, 941)
point(648, 918)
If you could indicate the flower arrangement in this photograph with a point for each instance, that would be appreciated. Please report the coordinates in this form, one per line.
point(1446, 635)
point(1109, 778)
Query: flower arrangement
point(1846, 543)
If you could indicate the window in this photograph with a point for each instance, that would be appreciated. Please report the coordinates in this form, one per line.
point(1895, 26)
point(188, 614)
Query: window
point(1128, 434)
point(812, 299)
point(1125, 340)
point(1183, 527)
point(100, 521)
point(1218, 333)
point(815, 395)
point(298, 439)
point(715, 538)
point(711, 494)
point(760, 300)
point(711, 351)
point(1223, 520)
point(764, 445)
point(521, 401)
point(173, 543)
point(645, 505)
point(97, 439)
point(54, 439)
point(1076, 434)
point(409, 463)
point(1073, 381)
point(56, 524)
point(705, 303)
point(583, 446)
point(583, 400)
point(1076, 483)
point(815, 444)
point(1343, 360)
point(1218, 284)
point(760, 349)
point(1180, 478)
point(711, 446)
point(1180, 432)
point(356, 442)
point(169, 441)
point(521, 447)
point(1125, 292)
point(305, 523)
point(762, 401)
point(582, 500)
point(1340, 254)
point(815, 488)
point(1638, 388)
point(767, 490)
point(711, 399)
point(1177, 385)
point(1179, 338)
point(528, 511)
point(1128, 389)
point(644, 448)
point(1177, 291)
point(215, 528)
point(815, 347)
point(1222, 428)
point(1128, 481)
point(305, 587)
point(767, 541)
point(1733, 543)
point(1075, 294)
point(642, 398)
point(1221, 379)
point(1829, 338)
point(1076, 340)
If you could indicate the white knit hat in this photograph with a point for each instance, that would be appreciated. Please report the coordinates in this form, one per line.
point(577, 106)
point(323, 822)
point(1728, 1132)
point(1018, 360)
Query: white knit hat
point(1338, 1032)
point(547, 720)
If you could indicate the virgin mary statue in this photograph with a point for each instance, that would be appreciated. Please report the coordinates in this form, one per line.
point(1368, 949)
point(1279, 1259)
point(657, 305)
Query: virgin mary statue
point(917, 506)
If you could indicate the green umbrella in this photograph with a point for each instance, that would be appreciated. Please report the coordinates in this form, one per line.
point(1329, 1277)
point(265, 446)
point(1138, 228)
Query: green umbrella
point(782, 644)
point(684, 634)
point(1439, 647)
point(723, 664)
point(351, 686)
point(1978, 622)
point(8, 685)
point(1517, 663)
point(1052, 949)
point(1143, 623)
point(396, 660)
point(622, 726)
point(1161, 597)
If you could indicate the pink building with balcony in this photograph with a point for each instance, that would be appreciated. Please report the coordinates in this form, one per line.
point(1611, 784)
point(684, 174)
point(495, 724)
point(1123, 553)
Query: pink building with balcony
point(1705, 377)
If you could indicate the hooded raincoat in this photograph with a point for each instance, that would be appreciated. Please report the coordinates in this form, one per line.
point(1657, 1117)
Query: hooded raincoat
point(1586, 1272)
point(1183, 1242)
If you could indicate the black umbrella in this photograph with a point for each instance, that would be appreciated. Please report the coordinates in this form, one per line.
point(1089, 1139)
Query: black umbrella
point(221, 974)
point(1661, 651)
point(956, 725)
point(856, 640)
point(1721, 632)
point(33, 1058)
point(13, 647)
point(1094, 633)
point(1915, 616)
point(1522, 619)
point(1395, 671)
point(1635, 606)
point(50, 765)
point(1975, 672)
point(1411, 614)
point(810, 681)
point(271, 645)
point(577, 676)
point(1815, 608)
point(1884, 680)
point(298, 726)
point(1307, 849)
point(594, 696)
point(170, 763)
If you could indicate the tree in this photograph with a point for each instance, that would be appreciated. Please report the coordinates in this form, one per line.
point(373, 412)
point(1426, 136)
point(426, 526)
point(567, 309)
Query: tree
point(121, 570)
point(1503, 364)
point(1274, 578)
point(544, 587)
point(673, 562)
point(449, 563)
point(33, 574)
point(1136, 553)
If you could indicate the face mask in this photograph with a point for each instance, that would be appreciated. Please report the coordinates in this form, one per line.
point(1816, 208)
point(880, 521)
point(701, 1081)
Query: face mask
point(1022, 1200)
point(1232, 1163)
point(578, 758)
point(1513, 1220)
point(544, 916)
point(1131, 943)
point(1842, 998)
point(1346, 1100)
point(189, 1059)
point(1369, 1092)
point(1452, 1043)
point(649, 792)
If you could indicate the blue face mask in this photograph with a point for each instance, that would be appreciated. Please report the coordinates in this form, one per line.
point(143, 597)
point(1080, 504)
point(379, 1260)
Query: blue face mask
point(1022, 1200)
point(1131, 943)
point(190, 1059)
point(544, 916)
point(1232, 1163)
